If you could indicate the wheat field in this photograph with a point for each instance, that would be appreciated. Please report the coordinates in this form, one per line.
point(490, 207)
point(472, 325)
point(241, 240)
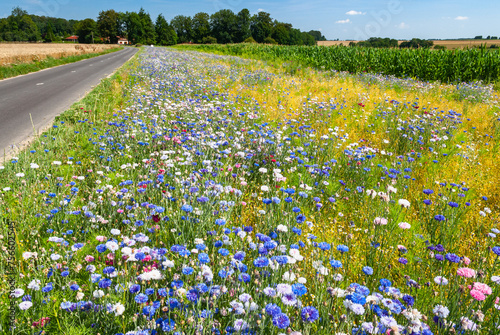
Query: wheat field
point(12, 53)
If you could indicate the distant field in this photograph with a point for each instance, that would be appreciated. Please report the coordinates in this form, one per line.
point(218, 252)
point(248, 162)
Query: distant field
point(450, 44)
point(12, 53)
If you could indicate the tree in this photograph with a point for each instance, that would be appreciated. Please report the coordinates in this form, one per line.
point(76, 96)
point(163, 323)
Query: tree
point(149, 34)
point(308, 39)
point(201, 27)
point(86, 29)
point(49, 35)
point(19, 26)
point(317, 35)
point(261, 26)
point(108, 25)
point(281, 33)
point(223, 26)
point(28, 29)
point(243, 20)
point(479, 37)
point(165, 34)
point(133, 27)
point(183, 28)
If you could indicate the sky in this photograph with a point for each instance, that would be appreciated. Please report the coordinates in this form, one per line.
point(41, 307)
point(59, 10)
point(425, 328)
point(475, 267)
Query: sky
point(336, 19)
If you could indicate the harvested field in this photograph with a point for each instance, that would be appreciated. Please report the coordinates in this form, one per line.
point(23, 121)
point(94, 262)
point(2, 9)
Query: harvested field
point(12, 53)
point(449, 44)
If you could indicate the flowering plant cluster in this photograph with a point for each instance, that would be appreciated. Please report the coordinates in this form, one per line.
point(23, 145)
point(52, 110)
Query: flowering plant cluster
point(193, 210)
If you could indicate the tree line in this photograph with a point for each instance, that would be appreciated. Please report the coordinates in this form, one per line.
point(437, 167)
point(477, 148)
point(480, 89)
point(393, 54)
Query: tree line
point(223, 27)
point(378, 42)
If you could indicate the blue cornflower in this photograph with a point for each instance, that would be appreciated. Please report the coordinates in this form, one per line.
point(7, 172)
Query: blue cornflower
point(273, 309)
point(299, 289)
point(496, 250)
point(261, 262)
point(141, 298)
point(335, 264)
point(187, 208)
point(367, 270)
point(281, 321)
point(342, 248)
point(452, 258)
point(203, 258)
point(309, 314)
point(192, 295)
point(187, 270)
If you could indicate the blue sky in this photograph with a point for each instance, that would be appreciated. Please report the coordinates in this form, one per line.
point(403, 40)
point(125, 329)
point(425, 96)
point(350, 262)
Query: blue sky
point(342, 19)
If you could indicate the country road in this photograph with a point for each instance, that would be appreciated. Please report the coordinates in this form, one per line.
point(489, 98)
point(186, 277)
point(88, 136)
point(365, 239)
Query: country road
point(46, 94)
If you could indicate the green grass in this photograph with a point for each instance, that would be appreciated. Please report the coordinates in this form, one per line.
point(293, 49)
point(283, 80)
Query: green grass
point(13, 70)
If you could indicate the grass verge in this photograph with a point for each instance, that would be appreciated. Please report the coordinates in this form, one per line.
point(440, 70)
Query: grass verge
point(13, 70)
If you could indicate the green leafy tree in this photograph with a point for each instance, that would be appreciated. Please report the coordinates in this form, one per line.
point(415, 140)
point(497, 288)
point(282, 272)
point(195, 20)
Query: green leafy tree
point(201, 27)
point(49, 34)
point(149, 34)
point(165, 34)
point(108, 25)
point(261, 26)
point(317, 35)
point(308, 39)
point(86, 30)
point(28, 29)
point(243, 31)
point(183, 28)
point(281, 33)
point(223, 26)
point(133, 27)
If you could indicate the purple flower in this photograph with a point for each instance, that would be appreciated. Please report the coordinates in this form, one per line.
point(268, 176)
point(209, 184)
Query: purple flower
point(192, 295)
point(496, 250)
point(273, 309)
point(281, 321)
point(309, 314)
point(452, 258)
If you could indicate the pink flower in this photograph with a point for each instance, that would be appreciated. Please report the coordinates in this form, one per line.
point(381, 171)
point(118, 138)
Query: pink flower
point(380, 221)
point(466, 260)
point(120, 210)
point(483, 288)
point(478, 295)
point(101, 238)
point(89, 258)
point(466, 272)
point(243, 203)
point(404, 225)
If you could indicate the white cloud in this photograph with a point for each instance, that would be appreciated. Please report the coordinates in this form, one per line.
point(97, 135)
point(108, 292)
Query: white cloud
point(260, 10)
point(343, 21)
point(403, 25)
point(461, 18)
point(353, 12)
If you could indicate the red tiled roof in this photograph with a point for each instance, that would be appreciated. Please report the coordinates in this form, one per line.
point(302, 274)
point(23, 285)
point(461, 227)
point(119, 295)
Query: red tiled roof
point(74, 37)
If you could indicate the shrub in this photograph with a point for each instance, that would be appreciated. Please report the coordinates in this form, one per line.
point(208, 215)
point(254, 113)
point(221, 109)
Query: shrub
point(209, 40)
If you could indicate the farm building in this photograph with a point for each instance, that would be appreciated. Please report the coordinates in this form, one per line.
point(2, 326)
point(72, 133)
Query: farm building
point(72, 38)
point(122, 40)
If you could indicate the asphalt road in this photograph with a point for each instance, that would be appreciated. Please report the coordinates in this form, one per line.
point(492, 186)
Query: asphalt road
point(48, 93)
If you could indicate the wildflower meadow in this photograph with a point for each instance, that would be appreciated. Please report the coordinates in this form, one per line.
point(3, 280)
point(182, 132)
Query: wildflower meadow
point(194, 193)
